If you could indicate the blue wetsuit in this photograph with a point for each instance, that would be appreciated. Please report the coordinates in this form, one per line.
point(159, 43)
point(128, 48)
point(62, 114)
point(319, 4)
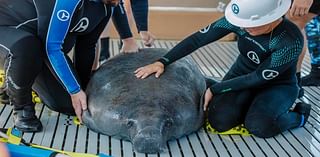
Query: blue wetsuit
point(35, 32)
point(261, 85)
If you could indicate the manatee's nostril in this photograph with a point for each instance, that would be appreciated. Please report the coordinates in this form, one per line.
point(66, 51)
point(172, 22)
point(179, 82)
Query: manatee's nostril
point(168, 123)
point(130, 124)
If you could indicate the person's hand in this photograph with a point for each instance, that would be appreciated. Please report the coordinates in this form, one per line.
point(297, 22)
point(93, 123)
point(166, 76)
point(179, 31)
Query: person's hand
point(3, 150)
point(144, 72)
point(300, 7)
point(207, 98)
point(79, 103)
point(147, 38)
point(129, 45)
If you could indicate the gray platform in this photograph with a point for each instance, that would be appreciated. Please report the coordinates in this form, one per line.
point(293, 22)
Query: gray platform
point(213, 60)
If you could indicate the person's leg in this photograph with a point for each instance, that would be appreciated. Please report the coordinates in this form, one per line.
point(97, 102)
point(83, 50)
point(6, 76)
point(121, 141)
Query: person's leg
point(52, 93)
point(313, 37)
point(228, 110)
point(83, 62)
point(269, 113)
point(22, 61)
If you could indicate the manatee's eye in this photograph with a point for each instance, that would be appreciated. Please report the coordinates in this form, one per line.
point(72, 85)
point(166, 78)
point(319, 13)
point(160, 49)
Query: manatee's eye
point(168, 123)
point(130, 123)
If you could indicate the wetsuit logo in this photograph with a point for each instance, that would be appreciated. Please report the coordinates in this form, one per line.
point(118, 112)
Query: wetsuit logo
point(205, 30)
point(81, 26)
point(63, 15)
point(235, 8)
point(253, 56)
point(269, 74)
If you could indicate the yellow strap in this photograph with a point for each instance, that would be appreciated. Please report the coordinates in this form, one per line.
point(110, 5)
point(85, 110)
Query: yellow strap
point(3, 140)
point(238, 130)
point(14, 139)
point(35, 98)
point(71, 154)
point(76, 121)
point(1, 77)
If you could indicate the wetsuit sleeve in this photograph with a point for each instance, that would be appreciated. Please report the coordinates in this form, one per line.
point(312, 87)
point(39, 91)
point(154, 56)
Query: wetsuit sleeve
point(120, 21)
point(270, 69)
point(140, 10)
point(203, 37)
point(57, 30)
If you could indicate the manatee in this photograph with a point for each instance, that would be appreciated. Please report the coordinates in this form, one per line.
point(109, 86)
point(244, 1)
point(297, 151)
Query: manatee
point(146, 112)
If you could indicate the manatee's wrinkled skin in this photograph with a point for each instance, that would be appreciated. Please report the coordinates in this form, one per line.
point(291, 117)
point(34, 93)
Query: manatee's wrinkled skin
point(147, 112)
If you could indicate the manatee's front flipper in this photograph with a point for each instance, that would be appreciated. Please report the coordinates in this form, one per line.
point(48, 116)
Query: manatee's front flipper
point(88, 121)
point(211, 80)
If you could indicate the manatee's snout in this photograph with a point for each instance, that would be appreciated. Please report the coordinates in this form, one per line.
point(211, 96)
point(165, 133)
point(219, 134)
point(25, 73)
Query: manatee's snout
point(148, 140)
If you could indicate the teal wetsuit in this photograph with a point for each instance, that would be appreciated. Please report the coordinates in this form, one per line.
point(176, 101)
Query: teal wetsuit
point(261, 85)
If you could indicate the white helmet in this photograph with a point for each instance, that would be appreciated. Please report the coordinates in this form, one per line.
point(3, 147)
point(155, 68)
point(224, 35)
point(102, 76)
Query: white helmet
point(253, 13)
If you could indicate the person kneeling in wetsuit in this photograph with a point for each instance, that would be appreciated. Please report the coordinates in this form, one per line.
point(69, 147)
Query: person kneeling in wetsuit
point(36, 36)
point(261, 86)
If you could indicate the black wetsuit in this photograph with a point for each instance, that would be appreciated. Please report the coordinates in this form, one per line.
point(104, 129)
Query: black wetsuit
point(315, 7)
point(35, 33)
point(261, 85)
point(140, 13)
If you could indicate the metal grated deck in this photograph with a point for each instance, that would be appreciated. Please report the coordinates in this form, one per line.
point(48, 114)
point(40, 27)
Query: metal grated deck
point(213, 60)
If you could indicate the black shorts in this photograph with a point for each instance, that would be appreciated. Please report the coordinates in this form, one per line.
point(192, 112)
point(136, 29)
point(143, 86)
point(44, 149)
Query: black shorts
point(315, 7)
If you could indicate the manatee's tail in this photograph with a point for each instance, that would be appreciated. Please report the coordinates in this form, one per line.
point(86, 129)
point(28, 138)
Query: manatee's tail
point(88, 121)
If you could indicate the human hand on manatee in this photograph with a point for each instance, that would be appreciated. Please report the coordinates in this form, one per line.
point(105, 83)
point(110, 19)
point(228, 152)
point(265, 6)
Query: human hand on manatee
point(207, 98)
point(144, 72)
point(129, 45)
point(79, 103)
point(147, 38)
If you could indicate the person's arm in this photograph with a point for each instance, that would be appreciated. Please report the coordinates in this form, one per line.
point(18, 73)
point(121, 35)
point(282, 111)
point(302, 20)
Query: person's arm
point(270, 69)
point(57, 30)
point(209, 34)
point(140, 10)
point(121, 24)
point(203, 37)
point(120, 21)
